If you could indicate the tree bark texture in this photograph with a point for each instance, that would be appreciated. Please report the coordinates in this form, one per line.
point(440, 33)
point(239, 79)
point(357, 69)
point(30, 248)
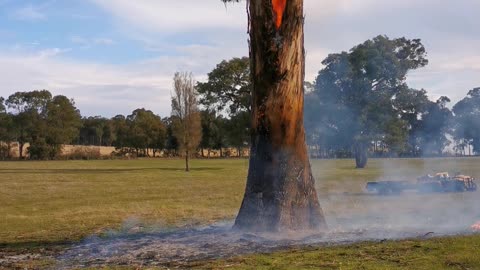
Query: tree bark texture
point(280, 194)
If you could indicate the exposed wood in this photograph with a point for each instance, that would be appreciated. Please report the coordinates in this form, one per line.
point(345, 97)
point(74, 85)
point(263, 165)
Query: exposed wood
point(280, 193)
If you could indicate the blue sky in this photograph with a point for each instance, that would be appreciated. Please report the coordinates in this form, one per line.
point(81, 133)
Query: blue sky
point(113, 56)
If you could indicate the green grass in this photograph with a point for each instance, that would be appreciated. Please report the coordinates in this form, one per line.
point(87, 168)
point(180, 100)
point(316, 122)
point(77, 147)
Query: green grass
point(442, 253)
point(68, 200)
point(63, 201)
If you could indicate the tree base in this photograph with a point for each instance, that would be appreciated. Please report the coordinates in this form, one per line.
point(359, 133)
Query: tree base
point(280, 195)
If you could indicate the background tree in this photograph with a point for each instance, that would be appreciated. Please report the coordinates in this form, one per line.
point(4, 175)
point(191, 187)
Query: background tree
point(186, 116)
point(228, 92)
point(145, 131)
point(229, 88)
point(6, 131)
point(28, 110)
point(412, 105)
point(213, 132)
point(435, 126)
point(171, 143)
point(280, 192)
point(63, 122)
point(3, 109)
point(467, 120)
point(357, 90)
point(237, 131)
point(120, 131)
point(95, 131)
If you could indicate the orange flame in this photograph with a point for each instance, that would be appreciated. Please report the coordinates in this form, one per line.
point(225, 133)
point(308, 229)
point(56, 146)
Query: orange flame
point(279, 8)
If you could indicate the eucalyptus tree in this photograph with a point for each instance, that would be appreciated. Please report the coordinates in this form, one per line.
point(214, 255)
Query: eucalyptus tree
point(280, 194)
point(435, 127)
point(228, 88)
point(467, 120)
point(63, 122)
point(359, 88)
point(145, 131)
point(28, 109)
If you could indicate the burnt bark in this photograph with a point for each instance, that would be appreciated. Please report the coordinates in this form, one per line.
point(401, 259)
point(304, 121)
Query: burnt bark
point(280, 194)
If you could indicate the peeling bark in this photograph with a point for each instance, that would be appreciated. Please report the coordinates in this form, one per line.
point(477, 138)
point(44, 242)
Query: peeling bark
point(280, 193)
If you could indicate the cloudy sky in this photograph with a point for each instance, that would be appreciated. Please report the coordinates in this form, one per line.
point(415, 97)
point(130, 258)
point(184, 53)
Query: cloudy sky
point(113, 56)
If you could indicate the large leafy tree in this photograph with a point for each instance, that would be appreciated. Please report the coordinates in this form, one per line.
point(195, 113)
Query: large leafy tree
point(228, 92)
point(280, 193)
point(412, 105)
point(29, 109)
point(435, 126)
point(120, 131)
point(145, 131)
point(214, 131)
point(357, 90)
point(229, 88)
point(467, 120)
point(95, 131)
point(63, 121)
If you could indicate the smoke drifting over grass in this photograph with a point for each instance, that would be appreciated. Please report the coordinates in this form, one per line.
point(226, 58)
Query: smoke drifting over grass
point(349, 207)
point(352, 215)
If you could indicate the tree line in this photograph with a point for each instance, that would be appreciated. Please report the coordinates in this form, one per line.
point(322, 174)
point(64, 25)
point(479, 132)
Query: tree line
point(360, 105)
point(47, 122)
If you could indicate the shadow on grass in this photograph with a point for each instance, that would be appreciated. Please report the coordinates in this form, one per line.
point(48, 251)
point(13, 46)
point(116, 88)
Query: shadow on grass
point(101, 171)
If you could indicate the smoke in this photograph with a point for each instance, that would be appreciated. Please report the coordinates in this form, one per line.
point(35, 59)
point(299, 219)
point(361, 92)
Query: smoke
point(349, 207)
point(352, 214)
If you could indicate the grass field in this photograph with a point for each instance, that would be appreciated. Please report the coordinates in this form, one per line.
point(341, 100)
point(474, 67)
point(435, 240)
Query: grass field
point(65, 201)
point(57, 202)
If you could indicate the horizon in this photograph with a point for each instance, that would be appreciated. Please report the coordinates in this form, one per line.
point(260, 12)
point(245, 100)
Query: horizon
point(112, 57)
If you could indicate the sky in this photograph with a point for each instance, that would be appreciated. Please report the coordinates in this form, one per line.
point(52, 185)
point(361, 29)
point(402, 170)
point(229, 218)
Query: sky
point(113, 56)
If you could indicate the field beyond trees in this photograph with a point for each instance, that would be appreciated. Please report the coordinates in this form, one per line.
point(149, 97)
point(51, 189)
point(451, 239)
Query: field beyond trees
point(65, 201)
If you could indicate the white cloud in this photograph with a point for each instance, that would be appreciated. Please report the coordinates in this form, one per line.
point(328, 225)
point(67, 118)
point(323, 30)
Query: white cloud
point(102, 88)
point(194, 35)
point(47, 53)
point(167, 16)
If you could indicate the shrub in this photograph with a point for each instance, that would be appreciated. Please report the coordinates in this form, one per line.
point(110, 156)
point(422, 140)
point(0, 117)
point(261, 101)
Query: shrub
point(40, 150)
point(84, 153)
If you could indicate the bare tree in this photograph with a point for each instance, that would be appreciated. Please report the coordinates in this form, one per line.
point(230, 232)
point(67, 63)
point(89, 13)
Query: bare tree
point(185, 114)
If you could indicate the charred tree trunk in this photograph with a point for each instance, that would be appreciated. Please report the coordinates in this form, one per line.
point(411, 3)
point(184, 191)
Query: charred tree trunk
point(361, 155)
point(280, 193)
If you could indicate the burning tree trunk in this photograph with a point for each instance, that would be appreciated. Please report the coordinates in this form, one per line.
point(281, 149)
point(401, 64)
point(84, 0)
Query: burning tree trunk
point(280, 193)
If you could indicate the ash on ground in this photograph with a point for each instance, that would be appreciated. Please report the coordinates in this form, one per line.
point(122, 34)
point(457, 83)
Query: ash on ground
point(184, 248)
point(351, 218)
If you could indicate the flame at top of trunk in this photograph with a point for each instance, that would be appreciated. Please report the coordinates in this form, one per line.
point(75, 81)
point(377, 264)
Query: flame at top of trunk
point(279, 9)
